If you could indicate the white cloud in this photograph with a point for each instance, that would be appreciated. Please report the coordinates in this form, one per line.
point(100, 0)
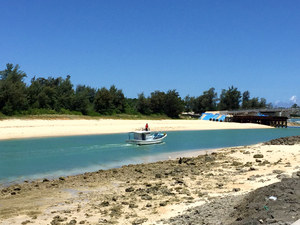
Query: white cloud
point(293, 99)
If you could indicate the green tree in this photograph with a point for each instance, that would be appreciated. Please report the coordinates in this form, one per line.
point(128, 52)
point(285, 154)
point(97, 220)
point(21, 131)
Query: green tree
point(174, 105)
point(205, 102)
point(104, 102)
point(245, 101)
point(40, 95)
point(64, 92)
point(118, 100)
point(131, 106)
point(157, 102)
point(208, 100)
point(12, 90)
point(253, 103)
point(188, 103)
point(33, 92)
point(81, 101)
point(263, 103)
point(143, 104)
point(230, 99)
point(51, 93)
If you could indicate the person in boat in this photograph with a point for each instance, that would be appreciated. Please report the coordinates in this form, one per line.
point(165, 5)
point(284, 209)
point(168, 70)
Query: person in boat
point(146, 127)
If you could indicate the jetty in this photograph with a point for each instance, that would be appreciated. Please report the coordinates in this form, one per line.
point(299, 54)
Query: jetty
point(269, 117)
point(274, 121)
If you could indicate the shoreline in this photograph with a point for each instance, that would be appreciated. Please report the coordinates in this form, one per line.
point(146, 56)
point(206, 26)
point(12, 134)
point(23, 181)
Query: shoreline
point(144, 160)
point(149, 192)
point(39, 128)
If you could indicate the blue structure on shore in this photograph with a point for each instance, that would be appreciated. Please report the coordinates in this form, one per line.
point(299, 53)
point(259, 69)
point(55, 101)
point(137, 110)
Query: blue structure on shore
point(213, 117)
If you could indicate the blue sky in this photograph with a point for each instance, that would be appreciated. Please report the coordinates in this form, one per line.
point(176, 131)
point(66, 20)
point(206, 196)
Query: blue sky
point(148, 45)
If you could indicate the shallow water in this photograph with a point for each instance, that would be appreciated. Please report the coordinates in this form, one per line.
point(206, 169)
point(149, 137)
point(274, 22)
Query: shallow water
point(28, 159)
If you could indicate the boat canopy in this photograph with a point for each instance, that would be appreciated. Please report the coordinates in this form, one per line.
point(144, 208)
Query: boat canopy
point(140, 135)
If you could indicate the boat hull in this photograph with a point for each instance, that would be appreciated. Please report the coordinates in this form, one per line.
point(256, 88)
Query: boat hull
point(147, 141)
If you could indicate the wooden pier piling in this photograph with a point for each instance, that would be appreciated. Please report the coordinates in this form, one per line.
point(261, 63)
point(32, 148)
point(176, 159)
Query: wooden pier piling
point(274, 121)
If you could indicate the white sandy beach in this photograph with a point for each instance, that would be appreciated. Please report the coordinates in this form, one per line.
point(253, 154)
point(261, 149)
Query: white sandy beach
point(16, 128)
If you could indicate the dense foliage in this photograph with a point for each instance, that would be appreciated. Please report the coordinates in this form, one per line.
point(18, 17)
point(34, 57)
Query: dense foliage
point(57, 95)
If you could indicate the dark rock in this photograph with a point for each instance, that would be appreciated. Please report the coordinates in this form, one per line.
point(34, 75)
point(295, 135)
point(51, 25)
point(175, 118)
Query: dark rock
point(284, 141)
point(219, 185)
point(248, 164)
point(163, 203)
point(180, 160)
point(158, 175)
point(209, 158)
point(57, 220)
point(179, 181)
point(258, 156)
point(236, 189)
point(130, 189)
point(235, 163)
point(278, 171)
point(296, 174)
point(252, 178)
point(104, 204)
point(132, 205)
point(146, 197)
point(139, 221)
point(281, 176)
point(138, 170)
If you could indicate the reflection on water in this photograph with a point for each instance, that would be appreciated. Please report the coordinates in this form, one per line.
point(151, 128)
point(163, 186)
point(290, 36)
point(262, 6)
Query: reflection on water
point(62, 156)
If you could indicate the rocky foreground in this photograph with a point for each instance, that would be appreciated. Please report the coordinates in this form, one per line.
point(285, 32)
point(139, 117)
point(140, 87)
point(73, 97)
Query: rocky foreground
point(208, 189)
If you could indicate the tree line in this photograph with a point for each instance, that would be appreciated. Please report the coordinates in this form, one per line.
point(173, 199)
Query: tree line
point(58, 95)
point(230, 99)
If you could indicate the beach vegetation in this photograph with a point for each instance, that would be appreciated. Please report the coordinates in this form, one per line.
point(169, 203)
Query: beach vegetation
point(13, 96)
point(230, 99)
point(252, 103)
point(68, 112)
point(39, 112)
point(205, 102)
point(49, 96)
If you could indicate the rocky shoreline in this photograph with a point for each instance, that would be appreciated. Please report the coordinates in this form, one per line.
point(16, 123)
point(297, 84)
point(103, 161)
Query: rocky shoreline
point(214, 188)
point(293, 140)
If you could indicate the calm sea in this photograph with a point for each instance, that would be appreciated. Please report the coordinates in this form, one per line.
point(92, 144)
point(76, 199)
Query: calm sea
point(297, 120)
point(28, 159)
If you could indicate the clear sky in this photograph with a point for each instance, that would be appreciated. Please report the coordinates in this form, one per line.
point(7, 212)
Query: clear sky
point(148, 45)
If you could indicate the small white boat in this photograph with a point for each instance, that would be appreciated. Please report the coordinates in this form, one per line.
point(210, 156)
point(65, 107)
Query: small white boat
point(144, 137)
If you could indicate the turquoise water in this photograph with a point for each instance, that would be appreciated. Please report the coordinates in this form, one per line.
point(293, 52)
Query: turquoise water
point(297, 120)
point(28, 159)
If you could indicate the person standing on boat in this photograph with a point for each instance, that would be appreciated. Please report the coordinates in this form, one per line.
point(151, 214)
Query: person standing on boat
point(146, 127)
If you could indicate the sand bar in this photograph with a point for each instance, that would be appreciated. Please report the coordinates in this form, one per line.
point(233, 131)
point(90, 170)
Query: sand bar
point(16, 128)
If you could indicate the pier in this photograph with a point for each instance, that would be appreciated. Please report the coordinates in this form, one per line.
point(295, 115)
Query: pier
point(269, 117)
point(274, 121)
